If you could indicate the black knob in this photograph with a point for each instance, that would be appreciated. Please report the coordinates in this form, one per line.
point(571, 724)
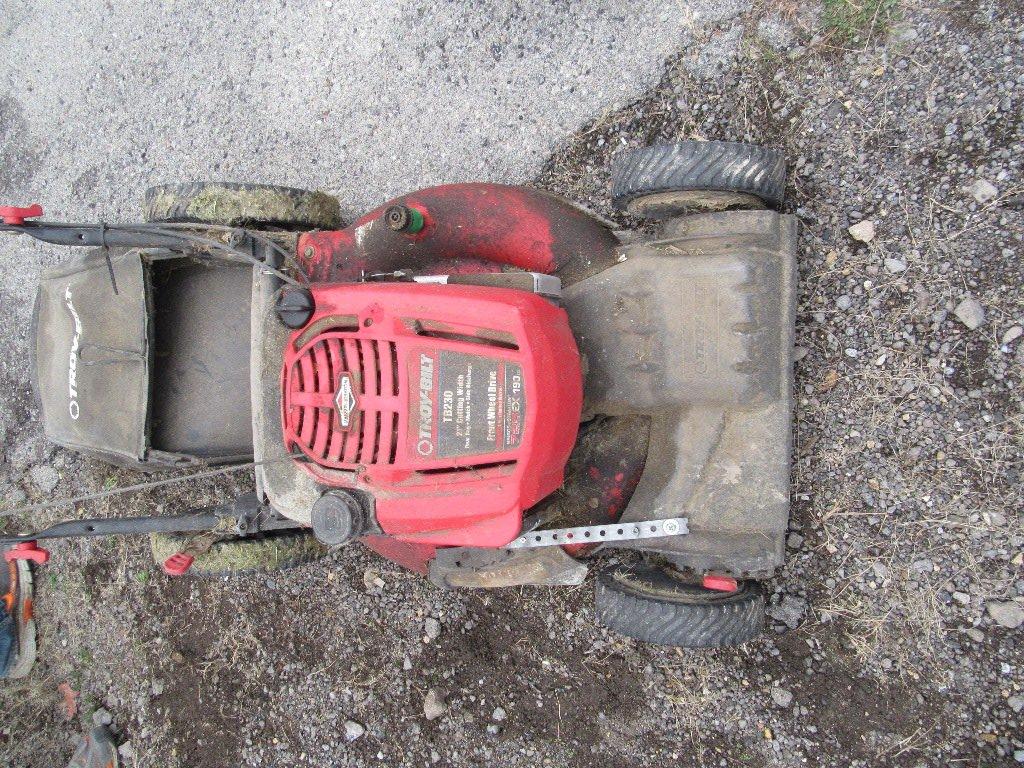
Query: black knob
point(338, 517)
point(295, 306)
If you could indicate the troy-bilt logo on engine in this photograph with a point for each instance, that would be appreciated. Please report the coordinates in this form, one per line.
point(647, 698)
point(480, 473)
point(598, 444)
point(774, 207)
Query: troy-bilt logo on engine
point(76, 340)
point(425, 444)
point(345, 400)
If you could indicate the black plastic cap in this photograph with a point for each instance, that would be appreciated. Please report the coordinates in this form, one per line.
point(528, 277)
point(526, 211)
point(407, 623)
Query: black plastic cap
point(338, 518)
point(295, 306)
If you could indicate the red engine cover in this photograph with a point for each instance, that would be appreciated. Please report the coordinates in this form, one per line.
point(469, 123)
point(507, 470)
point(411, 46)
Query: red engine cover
point(455, 406)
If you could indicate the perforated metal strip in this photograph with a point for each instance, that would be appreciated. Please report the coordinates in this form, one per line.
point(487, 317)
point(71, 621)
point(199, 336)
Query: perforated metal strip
point(595, 534)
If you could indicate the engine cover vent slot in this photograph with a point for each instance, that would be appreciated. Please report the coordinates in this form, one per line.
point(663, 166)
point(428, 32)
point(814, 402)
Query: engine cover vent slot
point(491, 468)
point(483, 336)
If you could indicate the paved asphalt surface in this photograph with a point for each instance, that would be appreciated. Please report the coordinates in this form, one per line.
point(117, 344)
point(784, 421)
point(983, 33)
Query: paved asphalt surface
point(363, 99)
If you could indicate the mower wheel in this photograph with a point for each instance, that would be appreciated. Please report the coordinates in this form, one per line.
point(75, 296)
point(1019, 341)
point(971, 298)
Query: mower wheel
point(655, 605)
point(234, 205)
point(669, 179)
point(267, 552)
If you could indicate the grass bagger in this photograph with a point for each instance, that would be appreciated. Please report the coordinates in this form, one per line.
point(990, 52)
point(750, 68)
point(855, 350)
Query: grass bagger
point(485, 384)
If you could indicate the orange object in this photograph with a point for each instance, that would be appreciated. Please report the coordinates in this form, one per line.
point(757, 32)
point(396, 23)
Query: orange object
point(15, 216)
point(70, 702)
point(719, 582)
point(178, 564)
point(27, 550)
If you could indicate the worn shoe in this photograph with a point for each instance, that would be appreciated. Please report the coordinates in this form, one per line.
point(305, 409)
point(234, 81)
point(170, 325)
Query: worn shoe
point(17, 627)
point(97, 750)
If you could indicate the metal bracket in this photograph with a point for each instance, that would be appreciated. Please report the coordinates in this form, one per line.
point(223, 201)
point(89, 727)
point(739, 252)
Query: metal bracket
point(258, 519)
point(598, 534)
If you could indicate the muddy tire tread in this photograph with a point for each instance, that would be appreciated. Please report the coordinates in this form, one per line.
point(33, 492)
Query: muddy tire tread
point(294, 208)
point(722, 166)
point(651, 620)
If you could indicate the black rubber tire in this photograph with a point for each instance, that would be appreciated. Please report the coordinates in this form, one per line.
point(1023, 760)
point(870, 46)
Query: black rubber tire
point(234, 205)
point(268, 552)
point(654, 605)
point(699, 166)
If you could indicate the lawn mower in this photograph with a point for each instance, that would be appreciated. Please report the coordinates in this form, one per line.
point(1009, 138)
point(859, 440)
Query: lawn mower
point(486, 384)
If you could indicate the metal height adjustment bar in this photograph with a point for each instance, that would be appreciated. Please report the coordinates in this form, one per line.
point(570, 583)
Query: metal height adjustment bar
point(596, 534)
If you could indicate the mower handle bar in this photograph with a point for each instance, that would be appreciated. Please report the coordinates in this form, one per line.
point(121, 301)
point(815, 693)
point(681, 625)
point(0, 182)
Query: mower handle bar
point(242, 516)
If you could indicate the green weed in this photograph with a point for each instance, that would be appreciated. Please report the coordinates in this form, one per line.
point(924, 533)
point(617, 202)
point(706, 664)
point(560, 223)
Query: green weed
point(851, 21)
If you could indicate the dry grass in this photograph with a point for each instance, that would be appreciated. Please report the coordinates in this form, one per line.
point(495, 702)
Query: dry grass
point(25, 706)
point(694, 687)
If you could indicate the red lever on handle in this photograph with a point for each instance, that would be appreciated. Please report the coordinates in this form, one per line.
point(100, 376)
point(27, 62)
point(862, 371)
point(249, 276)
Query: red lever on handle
point(178, 564)
point(720, 582)
point(15, 216)
point(27, 550)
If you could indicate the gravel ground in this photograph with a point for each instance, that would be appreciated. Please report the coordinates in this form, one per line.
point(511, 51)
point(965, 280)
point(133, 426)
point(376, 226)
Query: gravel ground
point(895, 636)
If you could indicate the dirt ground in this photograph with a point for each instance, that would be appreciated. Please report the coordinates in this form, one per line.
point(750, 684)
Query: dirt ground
point(895, 635)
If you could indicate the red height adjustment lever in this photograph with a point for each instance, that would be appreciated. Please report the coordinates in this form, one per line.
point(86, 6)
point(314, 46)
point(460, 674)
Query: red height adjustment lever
point(15, 216)
point(27, 550)
point(178, 564)
point(719, 582)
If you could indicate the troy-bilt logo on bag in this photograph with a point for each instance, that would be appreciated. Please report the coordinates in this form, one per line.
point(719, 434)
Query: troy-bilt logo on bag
point(346, 401)
point(76, 340)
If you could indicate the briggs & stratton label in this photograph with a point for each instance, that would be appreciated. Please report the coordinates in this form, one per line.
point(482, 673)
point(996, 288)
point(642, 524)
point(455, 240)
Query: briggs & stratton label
point(346, 402)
